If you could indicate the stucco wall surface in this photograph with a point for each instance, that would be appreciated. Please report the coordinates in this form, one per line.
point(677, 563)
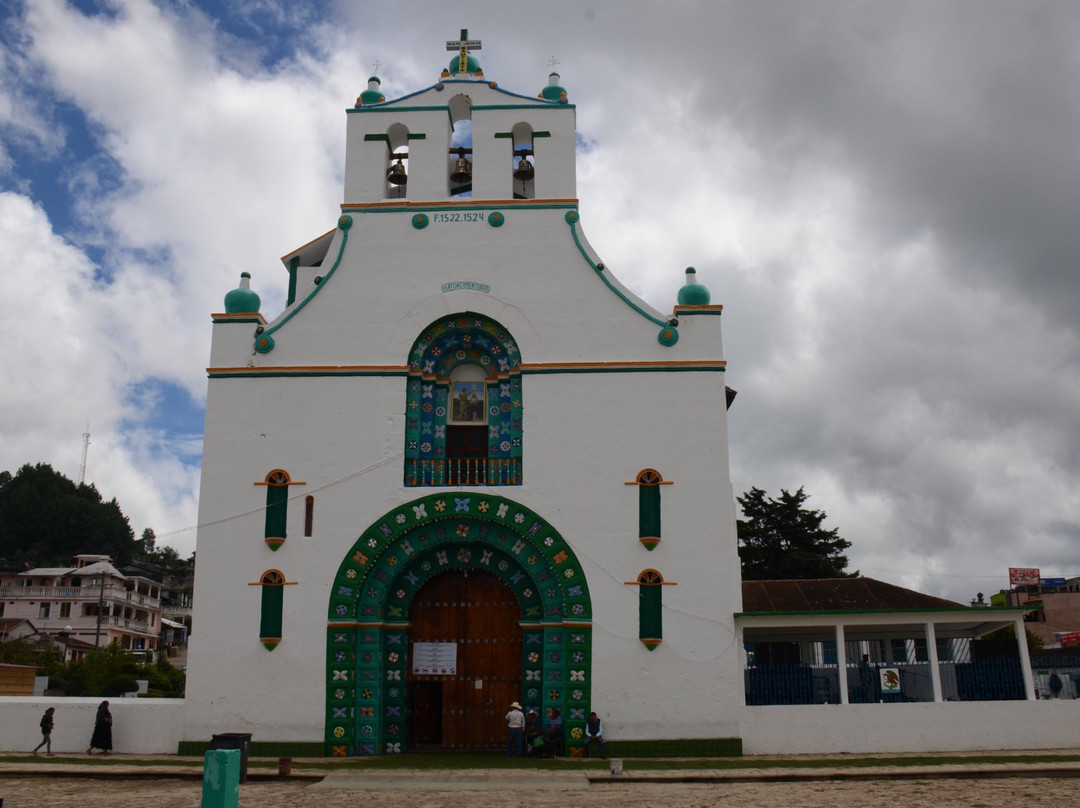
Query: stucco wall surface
point(388, 287)
point(946, 727)
point(140, 726)
point(324, 430)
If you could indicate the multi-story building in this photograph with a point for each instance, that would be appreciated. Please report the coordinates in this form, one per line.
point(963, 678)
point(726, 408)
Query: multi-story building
point(1058, 622)
point(176, 583)
point(92, 601)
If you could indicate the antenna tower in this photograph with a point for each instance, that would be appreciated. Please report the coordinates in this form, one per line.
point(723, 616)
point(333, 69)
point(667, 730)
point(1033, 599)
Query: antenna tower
point(85, 449)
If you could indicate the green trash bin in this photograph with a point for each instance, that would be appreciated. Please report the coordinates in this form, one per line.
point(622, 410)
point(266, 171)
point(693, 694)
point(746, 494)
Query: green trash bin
point(234, 740)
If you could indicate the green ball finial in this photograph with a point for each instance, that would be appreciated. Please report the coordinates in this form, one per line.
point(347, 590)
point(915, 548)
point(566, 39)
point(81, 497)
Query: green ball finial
point(242, 300)
point(693, 293)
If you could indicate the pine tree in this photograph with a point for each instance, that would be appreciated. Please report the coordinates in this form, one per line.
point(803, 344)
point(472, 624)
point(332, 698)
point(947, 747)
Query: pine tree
point(780, 539)
point(46, 518)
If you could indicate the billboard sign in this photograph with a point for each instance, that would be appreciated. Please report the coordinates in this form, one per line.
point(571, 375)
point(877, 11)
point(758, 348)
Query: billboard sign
point(1023, 576)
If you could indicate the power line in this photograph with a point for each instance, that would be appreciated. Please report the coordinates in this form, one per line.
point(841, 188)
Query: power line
point(305, 493)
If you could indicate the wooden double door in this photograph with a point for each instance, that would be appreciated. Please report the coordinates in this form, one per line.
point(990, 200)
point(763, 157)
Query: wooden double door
point(466, 710)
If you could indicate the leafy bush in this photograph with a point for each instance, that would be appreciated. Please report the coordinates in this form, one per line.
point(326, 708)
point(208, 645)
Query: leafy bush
point(120, 685)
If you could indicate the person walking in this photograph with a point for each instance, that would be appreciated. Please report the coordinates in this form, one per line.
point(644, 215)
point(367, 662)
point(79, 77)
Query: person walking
point(102, 737)
point(594, 731)
point(515, 723)
point(46, 733)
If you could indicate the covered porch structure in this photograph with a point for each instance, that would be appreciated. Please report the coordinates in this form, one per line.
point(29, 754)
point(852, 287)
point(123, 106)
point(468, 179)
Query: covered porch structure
point(859, 640)
point(929, 682)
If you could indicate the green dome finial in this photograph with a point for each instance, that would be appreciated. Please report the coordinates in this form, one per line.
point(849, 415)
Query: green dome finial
point(693, 293)
point(473, 68)
point(554, 91)
point(372, 95)
point(242, 300)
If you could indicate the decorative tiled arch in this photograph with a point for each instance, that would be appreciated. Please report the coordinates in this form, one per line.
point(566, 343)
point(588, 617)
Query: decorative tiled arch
point(465, 338)
point(367, 631)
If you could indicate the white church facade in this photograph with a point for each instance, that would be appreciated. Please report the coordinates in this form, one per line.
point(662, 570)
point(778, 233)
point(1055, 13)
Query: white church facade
point(465, 466)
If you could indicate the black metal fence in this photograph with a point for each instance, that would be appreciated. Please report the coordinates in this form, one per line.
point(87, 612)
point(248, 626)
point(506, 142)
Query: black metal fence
point(898, 670)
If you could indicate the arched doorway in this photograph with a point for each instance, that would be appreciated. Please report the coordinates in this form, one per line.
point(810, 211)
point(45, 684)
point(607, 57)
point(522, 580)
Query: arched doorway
point(369, 706)
point(471, 619)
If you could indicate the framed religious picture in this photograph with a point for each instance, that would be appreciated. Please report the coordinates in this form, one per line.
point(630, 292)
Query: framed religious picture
point(469, 403)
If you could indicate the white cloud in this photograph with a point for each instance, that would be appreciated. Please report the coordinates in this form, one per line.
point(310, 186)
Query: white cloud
point(881, 197)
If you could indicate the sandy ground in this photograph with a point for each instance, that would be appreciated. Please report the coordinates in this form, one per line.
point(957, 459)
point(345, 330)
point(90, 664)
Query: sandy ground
point(61, 792)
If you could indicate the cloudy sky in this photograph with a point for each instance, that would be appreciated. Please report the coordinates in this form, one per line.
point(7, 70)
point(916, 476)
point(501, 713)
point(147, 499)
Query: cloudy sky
point(884, 196)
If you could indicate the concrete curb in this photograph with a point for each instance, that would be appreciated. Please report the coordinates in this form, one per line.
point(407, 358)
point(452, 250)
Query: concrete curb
point(532, 779)
point(943, 772)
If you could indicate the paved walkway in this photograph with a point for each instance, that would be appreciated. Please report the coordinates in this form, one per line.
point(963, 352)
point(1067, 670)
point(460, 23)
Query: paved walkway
point(129, 767)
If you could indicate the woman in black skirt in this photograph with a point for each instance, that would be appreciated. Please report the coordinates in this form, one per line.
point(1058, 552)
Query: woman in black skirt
point(102, 737)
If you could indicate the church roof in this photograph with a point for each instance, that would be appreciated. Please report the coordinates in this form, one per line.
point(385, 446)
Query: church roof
point(836, 595)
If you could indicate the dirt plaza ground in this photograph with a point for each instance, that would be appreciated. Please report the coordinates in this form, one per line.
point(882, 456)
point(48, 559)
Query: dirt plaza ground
point(557, 791)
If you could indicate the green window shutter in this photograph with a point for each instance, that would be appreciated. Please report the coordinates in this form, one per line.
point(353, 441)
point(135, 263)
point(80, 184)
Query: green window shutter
point(649, 482)
point(277, 501)
point(650, 623)
point(649, 515)
point(273, 597)
point(650, 605)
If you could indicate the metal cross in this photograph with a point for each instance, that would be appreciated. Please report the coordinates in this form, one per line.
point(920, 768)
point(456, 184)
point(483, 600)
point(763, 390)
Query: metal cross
point(376, 66)
point(552, 62)
point(463, 46)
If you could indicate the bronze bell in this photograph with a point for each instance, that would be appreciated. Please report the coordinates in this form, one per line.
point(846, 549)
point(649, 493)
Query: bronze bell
point(524, 171)
point(396, 175)
point(462, 171)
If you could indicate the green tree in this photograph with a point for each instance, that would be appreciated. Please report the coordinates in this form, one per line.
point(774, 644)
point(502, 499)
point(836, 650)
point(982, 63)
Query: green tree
point(1034, 641)
point(780, 539)
point(92, 674)
point(25, 652)
point(148, 543)
point(164, 680)
point(45, 519)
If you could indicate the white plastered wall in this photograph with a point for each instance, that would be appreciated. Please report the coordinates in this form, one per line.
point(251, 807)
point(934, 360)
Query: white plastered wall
point(324, 430)
point(140, 726)
point(586, 433)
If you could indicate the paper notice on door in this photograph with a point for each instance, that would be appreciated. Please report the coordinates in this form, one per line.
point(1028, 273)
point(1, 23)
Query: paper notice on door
point(435, 658)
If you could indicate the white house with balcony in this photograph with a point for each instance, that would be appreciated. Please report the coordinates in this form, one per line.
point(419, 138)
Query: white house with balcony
point(92, 602)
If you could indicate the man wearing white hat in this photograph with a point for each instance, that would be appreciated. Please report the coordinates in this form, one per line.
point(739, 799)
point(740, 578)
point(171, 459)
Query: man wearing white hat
point(515, 721)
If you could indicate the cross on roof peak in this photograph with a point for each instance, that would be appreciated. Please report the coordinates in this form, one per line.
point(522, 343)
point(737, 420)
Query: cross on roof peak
point(463, 46)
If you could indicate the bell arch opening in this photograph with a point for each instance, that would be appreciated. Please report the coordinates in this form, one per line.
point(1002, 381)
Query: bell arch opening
point(370, 644)
point(460, 167)
point(396, 169)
